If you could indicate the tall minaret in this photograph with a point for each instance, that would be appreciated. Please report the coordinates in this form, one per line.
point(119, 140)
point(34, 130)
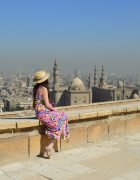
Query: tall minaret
point(58, 87)
point(95, 76)
point(102, 73)
point(90, 87)
point(89, 81)
point(28, 81)
point(57, 80)
point(55, 72)
point(102, 81)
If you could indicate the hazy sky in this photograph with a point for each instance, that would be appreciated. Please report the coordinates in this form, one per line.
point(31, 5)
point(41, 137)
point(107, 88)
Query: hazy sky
point(79, 33)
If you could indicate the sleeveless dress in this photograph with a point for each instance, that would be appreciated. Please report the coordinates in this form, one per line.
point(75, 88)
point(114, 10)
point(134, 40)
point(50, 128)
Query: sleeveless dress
point(56, 122)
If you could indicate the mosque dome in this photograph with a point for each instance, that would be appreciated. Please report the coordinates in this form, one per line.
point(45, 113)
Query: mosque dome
point(77, 84)
point(135, 96)
point(120, 84)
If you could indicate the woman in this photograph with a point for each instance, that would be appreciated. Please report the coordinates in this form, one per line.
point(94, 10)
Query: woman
point(56, 122)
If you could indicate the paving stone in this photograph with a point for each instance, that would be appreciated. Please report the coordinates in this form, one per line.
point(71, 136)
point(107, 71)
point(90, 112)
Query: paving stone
point(133, 175)
point(53, 173)
point(118, 178)
point(37, 177)
point(20, 174)
point(77, 168)
point(5, 177)
point(1, 172)
point(12, 167)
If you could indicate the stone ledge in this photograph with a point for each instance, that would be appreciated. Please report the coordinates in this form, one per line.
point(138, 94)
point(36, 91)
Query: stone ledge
point(87, 115)
point(74, 107)
point(30, 123)
point(138, 108)
point(119, 111)
point(7, 125)
point(75, 113)
point(73, 117)
point(132, 109)
point(104, 113)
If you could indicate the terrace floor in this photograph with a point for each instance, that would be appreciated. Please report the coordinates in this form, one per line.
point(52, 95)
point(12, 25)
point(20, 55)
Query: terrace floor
point(118, 159)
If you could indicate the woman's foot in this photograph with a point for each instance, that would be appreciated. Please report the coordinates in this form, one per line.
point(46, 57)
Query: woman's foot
point(48, 152)
point(49, 149)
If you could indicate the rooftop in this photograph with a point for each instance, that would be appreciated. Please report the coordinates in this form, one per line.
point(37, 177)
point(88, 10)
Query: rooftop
point(117, 159)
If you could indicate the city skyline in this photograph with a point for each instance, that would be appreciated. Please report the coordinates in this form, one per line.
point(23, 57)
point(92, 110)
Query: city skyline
point(78, 33)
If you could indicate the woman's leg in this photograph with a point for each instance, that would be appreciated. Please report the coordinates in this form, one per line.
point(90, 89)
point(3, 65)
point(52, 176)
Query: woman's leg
point(50, 147)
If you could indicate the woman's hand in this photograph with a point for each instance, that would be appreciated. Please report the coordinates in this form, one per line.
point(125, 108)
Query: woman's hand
point(54, 109)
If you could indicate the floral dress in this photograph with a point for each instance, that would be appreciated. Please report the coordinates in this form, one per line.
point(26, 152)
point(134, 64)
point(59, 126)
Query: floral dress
point(56, 122)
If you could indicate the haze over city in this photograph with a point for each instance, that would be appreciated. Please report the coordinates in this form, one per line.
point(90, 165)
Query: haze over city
point(78, 33)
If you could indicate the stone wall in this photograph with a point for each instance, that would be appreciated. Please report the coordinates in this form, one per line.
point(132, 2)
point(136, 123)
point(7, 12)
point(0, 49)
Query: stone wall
point(22, 136)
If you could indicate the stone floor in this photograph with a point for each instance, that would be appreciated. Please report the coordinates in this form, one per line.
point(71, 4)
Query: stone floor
point(117, 159)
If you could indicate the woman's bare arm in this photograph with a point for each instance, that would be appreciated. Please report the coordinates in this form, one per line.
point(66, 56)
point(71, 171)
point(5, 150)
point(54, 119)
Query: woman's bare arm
point(46, 99)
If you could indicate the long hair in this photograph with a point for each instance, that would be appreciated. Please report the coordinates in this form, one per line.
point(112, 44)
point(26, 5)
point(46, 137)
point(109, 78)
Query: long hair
point(35, 88)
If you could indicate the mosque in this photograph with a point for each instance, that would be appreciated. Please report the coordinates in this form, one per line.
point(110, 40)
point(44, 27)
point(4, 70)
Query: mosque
point(95, 91)
point(74, 93)
point(107, 92)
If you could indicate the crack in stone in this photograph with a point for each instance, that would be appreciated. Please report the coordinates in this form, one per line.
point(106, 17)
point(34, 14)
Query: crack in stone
point(45, 177)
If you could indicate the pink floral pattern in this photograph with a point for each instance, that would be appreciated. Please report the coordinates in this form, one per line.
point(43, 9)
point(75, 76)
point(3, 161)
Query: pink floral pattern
point(56, 122)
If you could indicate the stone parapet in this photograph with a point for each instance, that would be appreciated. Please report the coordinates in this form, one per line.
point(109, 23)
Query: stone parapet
point(116, 106)
point(91, 123)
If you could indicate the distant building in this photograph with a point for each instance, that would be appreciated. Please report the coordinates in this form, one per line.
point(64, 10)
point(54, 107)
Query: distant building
point(1, 81)
point(1, 105)
point(104, 92)
point(14, 93)
point(75, 93)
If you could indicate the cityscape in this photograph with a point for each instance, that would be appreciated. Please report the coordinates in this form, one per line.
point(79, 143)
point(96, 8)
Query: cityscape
point(67, 90)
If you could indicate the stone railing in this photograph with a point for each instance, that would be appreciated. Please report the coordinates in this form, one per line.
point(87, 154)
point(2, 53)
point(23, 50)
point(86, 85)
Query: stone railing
point(22, 135)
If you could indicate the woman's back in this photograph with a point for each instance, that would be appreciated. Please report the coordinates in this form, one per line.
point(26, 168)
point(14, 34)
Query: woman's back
point(38, 97)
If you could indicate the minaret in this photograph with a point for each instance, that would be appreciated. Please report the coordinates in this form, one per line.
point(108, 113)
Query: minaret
point(28, 81)
point(123, 91)
point(55, 73)
point(101, 83)
point(57, 80)
point(89, 81)
point(95, 76)
point(58, 87)
point(90, 87)
point(102, 73)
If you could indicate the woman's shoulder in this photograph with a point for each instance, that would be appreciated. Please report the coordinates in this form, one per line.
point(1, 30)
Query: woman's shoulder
point(43, 89)
point(39, 90)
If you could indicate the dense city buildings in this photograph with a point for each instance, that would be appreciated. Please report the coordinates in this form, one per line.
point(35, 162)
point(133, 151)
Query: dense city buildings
point(16, 90)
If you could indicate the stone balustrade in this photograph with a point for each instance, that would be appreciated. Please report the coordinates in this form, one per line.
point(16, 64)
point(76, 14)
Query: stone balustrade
point(22, 135)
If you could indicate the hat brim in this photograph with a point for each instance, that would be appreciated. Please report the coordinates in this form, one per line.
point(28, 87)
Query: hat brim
point(42, 80)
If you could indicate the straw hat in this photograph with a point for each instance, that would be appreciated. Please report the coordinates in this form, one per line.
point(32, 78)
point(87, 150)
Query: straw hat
point(41, 76)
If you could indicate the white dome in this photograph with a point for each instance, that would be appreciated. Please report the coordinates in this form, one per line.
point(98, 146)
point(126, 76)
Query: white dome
point(135, 96)
point(77, 84)
point(120, 84)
